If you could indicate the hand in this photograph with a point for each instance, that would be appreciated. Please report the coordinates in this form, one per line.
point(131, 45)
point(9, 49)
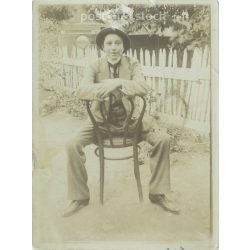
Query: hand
point(108, 86)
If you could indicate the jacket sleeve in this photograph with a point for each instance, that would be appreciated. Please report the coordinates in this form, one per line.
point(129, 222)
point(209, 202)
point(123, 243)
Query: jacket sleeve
point(88, 89)
point(137, 85)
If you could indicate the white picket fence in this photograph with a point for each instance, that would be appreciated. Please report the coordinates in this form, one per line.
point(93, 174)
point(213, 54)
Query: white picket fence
point(179, 93)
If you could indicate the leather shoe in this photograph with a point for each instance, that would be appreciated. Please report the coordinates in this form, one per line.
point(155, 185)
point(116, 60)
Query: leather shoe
point(74, 207)
point(166, 204)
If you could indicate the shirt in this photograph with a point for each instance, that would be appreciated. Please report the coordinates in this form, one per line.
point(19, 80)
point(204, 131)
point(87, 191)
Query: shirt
point(114, 69)
point(117, 113)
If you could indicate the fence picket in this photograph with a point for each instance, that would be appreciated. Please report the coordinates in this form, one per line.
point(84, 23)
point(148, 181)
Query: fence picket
point(175, 59)
point(181, 98)
point(176, 90)
point(195, 65)
point(170, 55)
point(203, 96)
point(130, 53)
point(153, 83)
point(79, 53)
point(191, 101)
point(161, 57)
point(169, 96)
point(158, 94)
point(162, 87)
point(195, 59)
point(184, 61)
point(135, 54)
point(165, 82)
point(194, 100)
point(73, 52)
point(153, 59)
point(204, 58)
point(188, 99)
point(175, 99)
point(185, 99)
point(164, 58)
point(147, 58)
point(169, 82)
point(198, 100)
point(154, 78)
point(141, 57)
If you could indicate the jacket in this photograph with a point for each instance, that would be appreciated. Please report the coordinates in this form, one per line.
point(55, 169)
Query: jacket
point(130, 75)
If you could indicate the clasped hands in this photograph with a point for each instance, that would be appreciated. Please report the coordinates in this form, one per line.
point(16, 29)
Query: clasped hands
point(106, 87)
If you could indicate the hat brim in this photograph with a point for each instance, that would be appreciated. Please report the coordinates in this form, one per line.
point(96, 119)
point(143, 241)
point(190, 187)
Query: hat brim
point(103, 33)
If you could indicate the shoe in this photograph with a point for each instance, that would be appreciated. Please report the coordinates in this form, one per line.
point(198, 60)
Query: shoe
point(166, 204)
point(74, 207)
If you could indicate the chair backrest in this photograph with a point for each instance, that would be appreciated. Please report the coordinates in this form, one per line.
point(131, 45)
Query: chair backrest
point(117, 121)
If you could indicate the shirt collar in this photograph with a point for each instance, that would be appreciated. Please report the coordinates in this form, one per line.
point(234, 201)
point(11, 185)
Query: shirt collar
point(112, 61)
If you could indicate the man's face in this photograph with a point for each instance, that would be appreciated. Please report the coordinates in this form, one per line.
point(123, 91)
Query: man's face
point(113, 46)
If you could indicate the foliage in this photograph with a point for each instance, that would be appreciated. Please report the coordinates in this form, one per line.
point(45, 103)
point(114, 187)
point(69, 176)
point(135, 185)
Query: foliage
point(181, 139)
point(187, 26)
point(55, 12)
point(51, 17)
point(58, 98)
point(49, 66)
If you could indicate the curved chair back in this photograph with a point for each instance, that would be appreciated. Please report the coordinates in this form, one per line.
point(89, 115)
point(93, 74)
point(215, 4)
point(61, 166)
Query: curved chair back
point(118, 127)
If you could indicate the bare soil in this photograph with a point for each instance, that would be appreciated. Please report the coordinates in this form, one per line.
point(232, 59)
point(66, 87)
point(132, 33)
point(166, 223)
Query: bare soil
point(122, 217)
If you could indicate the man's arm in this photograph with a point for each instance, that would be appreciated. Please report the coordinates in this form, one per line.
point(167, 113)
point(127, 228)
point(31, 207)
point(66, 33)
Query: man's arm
point(88, 90)
point(136, 86)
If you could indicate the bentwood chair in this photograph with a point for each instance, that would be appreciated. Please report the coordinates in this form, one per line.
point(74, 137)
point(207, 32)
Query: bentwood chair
point(124, 132)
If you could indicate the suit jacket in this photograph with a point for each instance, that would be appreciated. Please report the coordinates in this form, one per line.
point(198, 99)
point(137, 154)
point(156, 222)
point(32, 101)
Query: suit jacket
point(130, 75)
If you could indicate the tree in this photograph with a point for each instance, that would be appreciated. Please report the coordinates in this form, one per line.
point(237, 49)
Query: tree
point(187, 26)
point(55, 12)
point(49, 27)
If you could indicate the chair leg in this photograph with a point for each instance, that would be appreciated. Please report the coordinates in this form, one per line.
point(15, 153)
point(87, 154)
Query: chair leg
point(137, 172)
point(101, 158)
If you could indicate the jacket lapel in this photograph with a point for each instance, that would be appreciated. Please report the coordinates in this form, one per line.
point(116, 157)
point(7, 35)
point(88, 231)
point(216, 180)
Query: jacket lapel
point(124, 71)
point(104, 69)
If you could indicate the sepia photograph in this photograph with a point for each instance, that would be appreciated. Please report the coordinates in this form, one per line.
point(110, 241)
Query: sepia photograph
point(125, 136)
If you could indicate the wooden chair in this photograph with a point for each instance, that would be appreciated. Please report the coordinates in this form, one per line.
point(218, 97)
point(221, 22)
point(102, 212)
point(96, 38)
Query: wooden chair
point(110, 135)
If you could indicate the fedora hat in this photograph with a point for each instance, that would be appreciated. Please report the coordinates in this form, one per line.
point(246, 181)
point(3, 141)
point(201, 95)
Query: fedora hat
point(104, 32)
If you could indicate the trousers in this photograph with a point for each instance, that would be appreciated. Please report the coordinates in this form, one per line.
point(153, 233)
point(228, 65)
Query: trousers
point(77, 174)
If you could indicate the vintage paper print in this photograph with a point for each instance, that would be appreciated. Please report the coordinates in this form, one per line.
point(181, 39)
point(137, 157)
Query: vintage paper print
point(125, 125)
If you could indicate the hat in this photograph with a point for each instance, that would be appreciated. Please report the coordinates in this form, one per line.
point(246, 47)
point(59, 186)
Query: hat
point(104, 32)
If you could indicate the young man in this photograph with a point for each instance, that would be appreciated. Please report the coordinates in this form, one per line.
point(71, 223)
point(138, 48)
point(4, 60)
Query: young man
point(118, 74)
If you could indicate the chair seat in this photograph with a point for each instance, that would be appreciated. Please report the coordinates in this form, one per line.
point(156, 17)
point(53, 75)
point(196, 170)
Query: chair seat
point(118, 142)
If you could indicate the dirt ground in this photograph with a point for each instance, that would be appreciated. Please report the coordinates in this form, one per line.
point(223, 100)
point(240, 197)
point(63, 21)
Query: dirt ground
point(122, 217)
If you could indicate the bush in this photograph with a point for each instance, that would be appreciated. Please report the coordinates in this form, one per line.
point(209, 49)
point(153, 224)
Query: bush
point(57, 98)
